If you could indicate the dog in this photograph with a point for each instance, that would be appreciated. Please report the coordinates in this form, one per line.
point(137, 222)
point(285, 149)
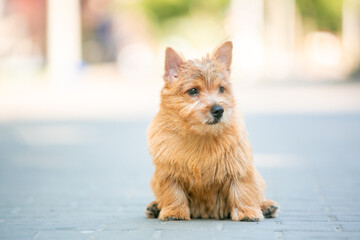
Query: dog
point(202, 156)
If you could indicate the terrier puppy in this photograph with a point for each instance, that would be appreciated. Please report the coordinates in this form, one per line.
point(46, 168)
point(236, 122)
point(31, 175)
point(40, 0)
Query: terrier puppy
point(202, 156)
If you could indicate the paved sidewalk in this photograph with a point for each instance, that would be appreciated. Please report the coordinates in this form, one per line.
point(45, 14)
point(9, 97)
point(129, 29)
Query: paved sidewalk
point(90, 180)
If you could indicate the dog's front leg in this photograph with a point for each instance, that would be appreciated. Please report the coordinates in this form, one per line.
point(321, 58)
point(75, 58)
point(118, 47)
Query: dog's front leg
point(171, 200)
point(244, 200)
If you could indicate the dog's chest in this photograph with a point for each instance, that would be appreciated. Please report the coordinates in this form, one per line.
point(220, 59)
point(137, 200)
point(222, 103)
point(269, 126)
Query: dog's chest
point(197, 161)
point(204, 164)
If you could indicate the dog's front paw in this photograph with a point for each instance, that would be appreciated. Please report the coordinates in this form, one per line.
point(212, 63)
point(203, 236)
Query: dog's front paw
point(269, 208)
point(249, 214)
point(178, 213)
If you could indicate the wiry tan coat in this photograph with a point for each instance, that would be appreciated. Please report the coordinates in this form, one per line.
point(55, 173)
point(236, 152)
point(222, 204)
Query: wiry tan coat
point(202, 170)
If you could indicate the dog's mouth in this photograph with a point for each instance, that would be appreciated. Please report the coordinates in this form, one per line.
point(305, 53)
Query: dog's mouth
point(215, 121)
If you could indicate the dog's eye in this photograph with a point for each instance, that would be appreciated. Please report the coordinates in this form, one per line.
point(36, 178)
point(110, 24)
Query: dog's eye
point(221, 89)
point(193, 91)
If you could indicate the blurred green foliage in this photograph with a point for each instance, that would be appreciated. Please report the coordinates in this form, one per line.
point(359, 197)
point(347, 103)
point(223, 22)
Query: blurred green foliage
point(162, 10)
point(168, 15)
point(326, 14)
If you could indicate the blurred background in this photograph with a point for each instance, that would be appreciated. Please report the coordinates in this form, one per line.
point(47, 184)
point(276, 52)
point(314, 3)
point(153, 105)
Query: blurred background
point(80, 81)
point(83, 58)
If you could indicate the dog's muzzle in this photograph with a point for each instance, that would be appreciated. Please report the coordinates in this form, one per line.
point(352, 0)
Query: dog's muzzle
point(217, 112)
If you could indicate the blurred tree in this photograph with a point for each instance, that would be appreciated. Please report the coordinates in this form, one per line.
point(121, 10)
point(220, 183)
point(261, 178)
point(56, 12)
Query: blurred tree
point(326, 14)
point(163, 10)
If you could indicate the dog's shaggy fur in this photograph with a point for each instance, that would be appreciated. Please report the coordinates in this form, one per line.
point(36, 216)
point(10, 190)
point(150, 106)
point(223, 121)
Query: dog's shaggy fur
point(203, 166)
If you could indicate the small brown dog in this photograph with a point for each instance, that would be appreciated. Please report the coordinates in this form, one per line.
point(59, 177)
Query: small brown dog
point(202, 156)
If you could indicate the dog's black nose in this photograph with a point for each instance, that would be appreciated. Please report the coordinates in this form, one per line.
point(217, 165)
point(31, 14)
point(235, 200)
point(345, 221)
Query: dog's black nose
point(217, 111)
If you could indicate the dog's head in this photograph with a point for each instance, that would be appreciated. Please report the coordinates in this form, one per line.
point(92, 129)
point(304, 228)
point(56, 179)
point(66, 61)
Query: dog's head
point(197, 94)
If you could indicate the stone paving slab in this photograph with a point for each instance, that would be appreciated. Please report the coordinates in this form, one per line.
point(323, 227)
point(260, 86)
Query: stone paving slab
point(90, 180)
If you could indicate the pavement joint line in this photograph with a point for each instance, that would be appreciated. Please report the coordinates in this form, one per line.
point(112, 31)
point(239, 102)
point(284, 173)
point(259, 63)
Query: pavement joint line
point(15, 210)
point(279, 235)
point(327, 209)
point(338, 228)
point(322, 198)
point(36, 235)
point(101, 228)
point(332, 218)
point(61, 215)
point(219, 226)
point(157, 233)
point(120, 210)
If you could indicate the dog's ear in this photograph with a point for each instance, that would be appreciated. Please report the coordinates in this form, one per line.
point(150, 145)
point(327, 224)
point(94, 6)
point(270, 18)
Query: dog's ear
point(173, 61)
point(223, 53)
